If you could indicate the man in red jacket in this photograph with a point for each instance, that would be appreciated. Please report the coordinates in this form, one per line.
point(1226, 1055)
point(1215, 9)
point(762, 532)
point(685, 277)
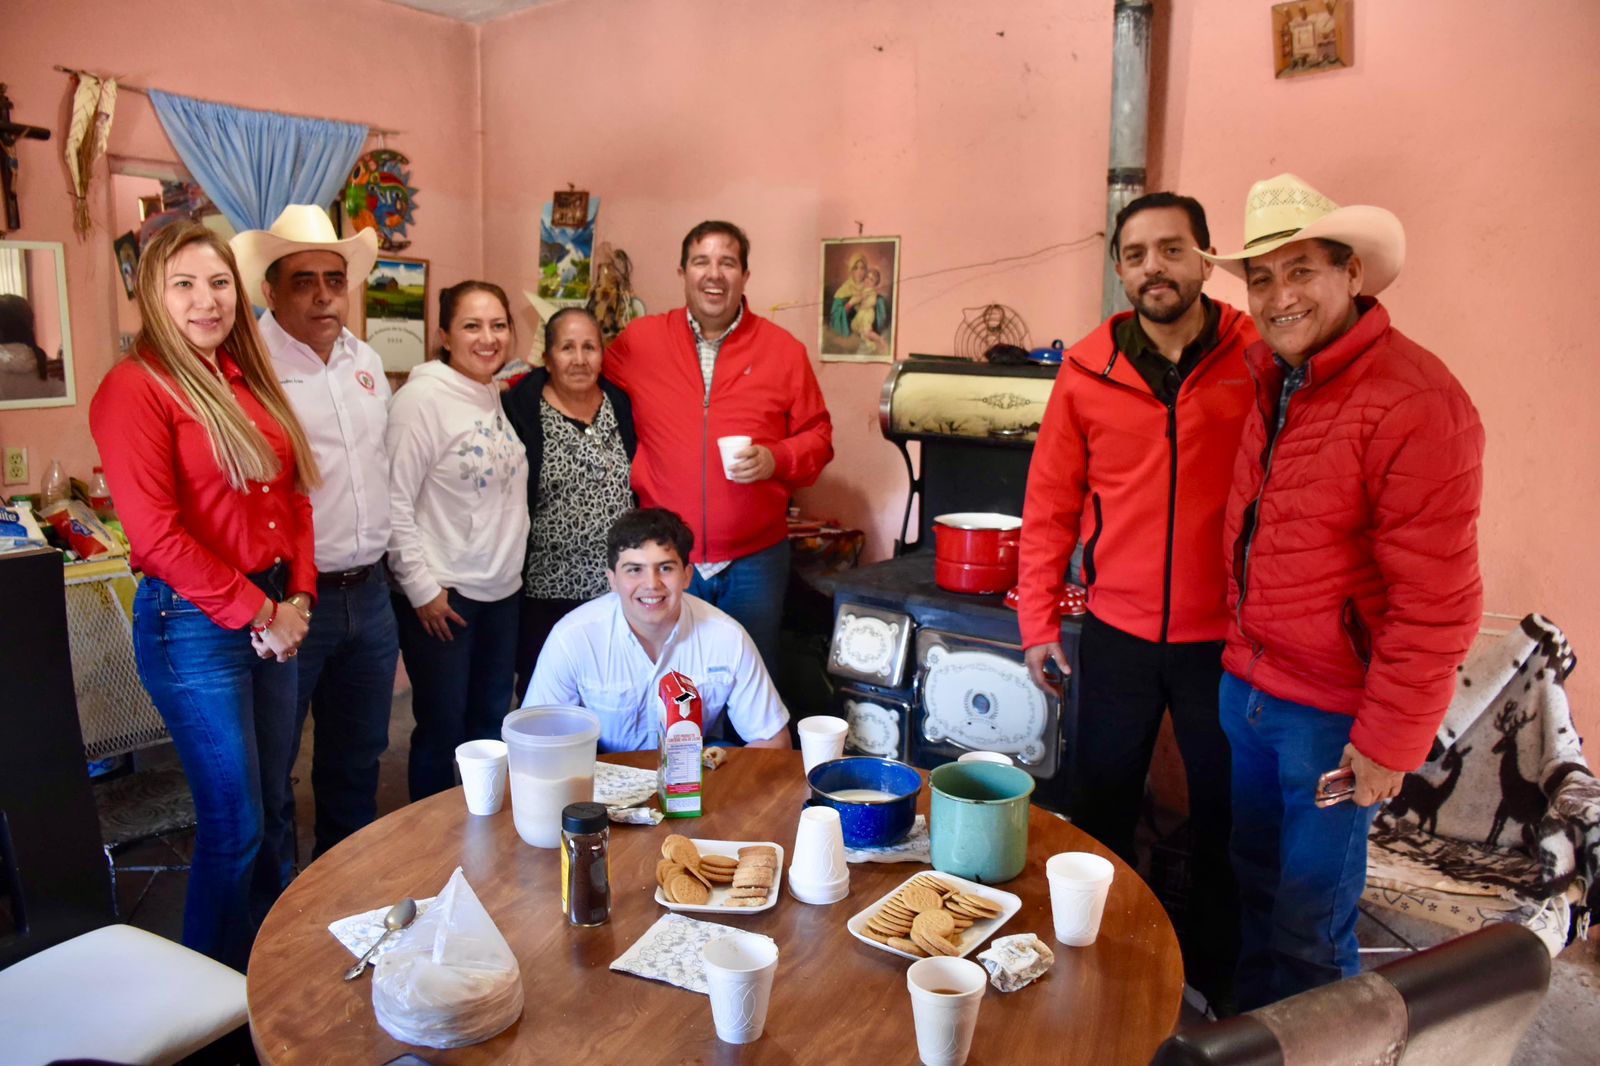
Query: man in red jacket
point(1354, 586)
point(717, 369)
point(1133, 457)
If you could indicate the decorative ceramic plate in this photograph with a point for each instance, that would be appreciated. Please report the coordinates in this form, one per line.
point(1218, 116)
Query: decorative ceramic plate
point(971, 937)
point(722, 894)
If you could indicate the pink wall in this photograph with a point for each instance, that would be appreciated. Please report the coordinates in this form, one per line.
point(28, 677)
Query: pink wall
point(360, 60)
point(798, 119)
point(1480, 131)
point(985, 153)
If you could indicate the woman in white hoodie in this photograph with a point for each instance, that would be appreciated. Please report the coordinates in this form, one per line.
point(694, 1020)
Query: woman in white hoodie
point(458, 488)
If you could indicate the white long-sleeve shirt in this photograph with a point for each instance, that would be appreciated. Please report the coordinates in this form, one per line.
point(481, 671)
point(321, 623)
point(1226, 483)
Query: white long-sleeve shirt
point(343, 408)
point(592, 659)
point(458, 498)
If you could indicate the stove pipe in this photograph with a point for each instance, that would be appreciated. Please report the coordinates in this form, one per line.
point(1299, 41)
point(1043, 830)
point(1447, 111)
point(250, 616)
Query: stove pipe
point(1130, 125)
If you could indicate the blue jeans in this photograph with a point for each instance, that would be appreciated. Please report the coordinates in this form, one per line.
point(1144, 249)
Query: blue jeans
point(752, 590)
point(231, 716)
point(460, 688)
point(347, 665)
point(1300, 868)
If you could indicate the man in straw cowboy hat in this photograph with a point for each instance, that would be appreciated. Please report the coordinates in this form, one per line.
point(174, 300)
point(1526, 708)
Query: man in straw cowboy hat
point(1351, 532)
point(1133, 458)
point(303, 274)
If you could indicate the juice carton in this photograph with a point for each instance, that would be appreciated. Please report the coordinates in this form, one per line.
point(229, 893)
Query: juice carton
point(682, 737)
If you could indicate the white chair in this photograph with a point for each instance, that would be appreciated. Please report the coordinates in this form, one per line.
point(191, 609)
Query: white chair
point(117, 994)
point(72, 986)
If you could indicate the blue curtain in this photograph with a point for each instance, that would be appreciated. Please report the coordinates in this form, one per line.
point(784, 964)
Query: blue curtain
point(253, 164)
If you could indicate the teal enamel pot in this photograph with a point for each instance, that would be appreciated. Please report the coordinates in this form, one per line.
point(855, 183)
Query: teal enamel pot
point(979, 820)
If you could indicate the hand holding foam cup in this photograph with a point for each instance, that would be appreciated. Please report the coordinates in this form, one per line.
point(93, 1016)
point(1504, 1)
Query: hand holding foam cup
point(730, 447)
point(945, 996)
point(739, 971)
point(1079, 884)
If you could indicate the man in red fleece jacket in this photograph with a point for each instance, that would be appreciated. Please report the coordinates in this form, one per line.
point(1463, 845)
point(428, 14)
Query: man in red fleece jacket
point(716, 369)
point(1354, 586)
point(1133, 457)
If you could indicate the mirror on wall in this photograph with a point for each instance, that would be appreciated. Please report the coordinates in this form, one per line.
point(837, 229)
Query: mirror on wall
point(148, 195)
point(35, 329)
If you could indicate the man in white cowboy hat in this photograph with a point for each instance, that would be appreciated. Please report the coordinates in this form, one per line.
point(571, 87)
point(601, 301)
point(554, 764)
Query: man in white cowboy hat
point(1351, 534)
point(303, 274)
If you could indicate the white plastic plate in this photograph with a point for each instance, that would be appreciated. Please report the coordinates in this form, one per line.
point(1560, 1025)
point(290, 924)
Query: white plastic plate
point(721, 894)
point(971, 937)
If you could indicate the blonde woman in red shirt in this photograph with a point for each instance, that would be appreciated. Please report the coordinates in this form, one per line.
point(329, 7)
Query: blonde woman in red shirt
point(210, 471)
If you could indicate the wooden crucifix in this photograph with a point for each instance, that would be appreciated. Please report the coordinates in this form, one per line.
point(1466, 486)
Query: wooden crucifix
point(10, 134)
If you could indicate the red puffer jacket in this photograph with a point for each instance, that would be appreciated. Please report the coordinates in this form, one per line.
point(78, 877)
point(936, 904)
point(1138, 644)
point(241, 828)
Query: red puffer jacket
point(1354, 538)
point(1143, 486)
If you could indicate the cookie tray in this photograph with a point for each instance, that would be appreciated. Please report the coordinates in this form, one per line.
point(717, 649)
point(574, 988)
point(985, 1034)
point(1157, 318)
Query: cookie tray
point(721, 894)
point(971, 937)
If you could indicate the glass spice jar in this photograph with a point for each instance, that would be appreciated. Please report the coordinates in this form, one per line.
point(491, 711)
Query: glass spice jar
point(585, 865)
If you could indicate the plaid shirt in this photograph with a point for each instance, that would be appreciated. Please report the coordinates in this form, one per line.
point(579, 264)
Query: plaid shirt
point(1293, 378)
point(708, 349)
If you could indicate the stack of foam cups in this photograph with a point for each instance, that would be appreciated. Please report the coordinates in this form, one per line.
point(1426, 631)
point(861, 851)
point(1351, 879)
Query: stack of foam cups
point(817, 872)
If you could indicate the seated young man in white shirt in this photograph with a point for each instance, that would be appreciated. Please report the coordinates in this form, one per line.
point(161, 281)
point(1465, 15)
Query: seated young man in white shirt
point(610, 654)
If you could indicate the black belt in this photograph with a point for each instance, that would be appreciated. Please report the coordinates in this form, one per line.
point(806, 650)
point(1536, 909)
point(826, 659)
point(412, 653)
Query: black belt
point(347, 579)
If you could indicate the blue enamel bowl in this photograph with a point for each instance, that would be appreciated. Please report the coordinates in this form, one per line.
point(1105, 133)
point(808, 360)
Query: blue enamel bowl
point(868, 822)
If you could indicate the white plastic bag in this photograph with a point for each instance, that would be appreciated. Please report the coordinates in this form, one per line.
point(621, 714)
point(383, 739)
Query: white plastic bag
point(450, 980)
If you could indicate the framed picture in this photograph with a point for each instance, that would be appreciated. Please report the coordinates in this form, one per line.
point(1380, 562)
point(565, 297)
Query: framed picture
point(860, 286)
point(1311, 36)
point(126, 250)
point(395, 312)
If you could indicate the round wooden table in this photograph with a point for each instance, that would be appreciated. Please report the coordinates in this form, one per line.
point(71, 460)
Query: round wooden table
point(835, 999)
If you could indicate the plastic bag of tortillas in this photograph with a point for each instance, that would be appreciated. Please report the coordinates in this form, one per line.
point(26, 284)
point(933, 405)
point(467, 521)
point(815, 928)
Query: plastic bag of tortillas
point(450, 980)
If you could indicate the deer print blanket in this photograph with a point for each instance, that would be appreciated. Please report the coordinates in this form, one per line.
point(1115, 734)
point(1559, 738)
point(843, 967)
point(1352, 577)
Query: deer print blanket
point(1506, 804)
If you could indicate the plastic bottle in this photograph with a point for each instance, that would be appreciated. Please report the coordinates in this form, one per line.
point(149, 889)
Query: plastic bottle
point(100, 494)
point(55, 487)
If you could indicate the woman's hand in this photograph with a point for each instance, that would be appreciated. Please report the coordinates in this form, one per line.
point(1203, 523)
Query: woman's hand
point(436, 616)
point(281, 639)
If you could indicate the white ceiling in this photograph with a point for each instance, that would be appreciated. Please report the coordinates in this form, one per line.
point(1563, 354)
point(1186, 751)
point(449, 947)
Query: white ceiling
point(470, 10)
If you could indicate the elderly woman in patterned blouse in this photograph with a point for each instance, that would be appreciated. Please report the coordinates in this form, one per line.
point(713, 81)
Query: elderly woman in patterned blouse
point(578, 430)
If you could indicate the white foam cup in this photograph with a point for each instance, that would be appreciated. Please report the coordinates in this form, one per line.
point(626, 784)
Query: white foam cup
point(987, 756)
point(1079, 883)
point(821, 739)
point(483, 774)
point(739, 970)
point(945, 996)
point(818, 872)
point(731, 447)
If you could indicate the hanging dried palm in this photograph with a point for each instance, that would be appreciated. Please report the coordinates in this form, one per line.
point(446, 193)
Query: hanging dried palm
point(93, 104)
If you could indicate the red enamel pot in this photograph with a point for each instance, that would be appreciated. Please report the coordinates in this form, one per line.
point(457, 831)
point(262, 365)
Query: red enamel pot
point(976, 552)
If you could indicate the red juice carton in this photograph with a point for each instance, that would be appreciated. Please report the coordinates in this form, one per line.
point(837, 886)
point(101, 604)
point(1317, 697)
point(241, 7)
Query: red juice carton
point(682, 738)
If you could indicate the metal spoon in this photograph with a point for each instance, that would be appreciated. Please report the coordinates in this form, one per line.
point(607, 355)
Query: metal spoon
point(400, 915)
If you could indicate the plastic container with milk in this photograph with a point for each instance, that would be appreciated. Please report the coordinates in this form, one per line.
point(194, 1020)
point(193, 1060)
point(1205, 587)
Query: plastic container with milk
point(550, 751)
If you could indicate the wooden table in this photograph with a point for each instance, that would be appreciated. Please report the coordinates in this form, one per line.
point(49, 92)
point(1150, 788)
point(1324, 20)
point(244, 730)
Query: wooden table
point(835, 1000)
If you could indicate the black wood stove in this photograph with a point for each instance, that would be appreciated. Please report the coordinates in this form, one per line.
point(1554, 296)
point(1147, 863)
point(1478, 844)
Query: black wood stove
point(924, 674)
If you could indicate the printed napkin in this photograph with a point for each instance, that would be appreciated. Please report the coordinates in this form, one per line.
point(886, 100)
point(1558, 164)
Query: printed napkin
point(360, 931)
point(916, 847)
point(670, 951)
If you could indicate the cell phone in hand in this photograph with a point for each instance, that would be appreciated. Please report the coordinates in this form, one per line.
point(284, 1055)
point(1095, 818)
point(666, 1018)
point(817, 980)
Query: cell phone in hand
point(1336, 786)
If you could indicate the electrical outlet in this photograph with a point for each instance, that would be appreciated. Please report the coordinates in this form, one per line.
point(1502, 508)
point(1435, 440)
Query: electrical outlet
point(16, 466)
